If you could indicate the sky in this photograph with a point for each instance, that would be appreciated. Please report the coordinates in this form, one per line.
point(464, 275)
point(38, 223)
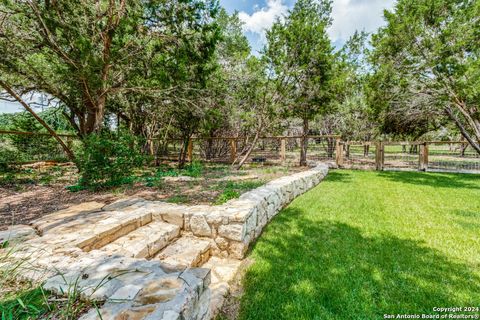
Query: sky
point(259, 15)
point(348, 16)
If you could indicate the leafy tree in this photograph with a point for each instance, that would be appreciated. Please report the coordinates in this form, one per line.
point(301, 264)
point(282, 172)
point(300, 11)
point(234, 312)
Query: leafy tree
point(426, 66)
point(87, 53)
point(301, 55)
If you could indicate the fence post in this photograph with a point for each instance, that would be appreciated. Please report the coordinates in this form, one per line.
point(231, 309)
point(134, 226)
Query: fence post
point(423, 157)
point(339, 153)
point(190, 150)
point(380, 155)
point(283, 150)
point(233, 150)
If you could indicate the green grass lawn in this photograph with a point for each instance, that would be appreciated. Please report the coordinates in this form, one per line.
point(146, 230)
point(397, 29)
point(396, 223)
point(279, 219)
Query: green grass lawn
point(364, 244)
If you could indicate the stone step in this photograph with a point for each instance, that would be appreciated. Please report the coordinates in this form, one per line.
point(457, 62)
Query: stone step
point(223, 273)
point(187, 251)
point(145, 241)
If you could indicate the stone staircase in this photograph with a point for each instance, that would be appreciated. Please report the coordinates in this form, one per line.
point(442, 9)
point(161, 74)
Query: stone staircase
point(153, 260)
point(187, 251)
point(135, 235)
point(144, 242)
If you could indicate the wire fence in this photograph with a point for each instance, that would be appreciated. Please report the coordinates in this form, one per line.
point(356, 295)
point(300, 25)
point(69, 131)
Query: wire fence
point(438, 156)
point(448, 156)
point(267, 150)
point(457, 156)
point(28, 147)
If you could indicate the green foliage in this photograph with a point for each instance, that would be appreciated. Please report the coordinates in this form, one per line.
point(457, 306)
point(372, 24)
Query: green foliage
point(194, 169)
point(97, 58)
point(300, 53)
point(426, 68)
point(107, 160)
point(178, 199)
point(28, 305)
point(232, 190)
point(25, 148)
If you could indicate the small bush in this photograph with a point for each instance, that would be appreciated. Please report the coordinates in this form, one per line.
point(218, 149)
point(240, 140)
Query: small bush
point(226, 195)
point(108, 160)
point(232, 190)
point(195, 169)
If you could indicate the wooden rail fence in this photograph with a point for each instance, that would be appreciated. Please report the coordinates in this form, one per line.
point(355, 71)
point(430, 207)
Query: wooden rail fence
point(456, 156)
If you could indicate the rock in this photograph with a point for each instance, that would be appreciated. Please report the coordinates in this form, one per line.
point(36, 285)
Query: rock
point(237, 250)
point(199, 226)
point(17, 233)
point(222, 243)
point(64, 216)
point(222, 270)
point(157, 291)
point(232, 231)
point(179, 179)
point(185, 252)
point(128, 292)
point(124, 204)
point(240, 178)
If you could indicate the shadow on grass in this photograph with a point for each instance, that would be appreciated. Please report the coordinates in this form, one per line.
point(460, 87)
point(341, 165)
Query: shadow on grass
point(467, 214)
point(437, 180)
point(338, 176)
point(308, 269)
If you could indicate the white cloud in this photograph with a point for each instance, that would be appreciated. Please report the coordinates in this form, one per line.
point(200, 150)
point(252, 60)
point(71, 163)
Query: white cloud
point(351, 15)
point(348, 16)
point(263, 19)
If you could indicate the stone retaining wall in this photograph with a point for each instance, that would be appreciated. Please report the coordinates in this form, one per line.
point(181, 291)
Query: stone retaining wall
point(69, 247)
point(234, 225)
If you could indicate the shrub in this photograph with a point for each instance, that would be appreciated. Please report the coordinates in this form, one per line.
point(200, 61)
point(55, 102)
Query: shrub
point(232, 190)
point(107, 160)
point(194, 169)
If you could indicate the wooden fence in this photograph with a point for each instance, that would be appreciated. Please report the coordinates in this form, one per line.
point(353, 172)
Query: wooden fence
point(18, 147)
point(454, 156)
point(270, 149)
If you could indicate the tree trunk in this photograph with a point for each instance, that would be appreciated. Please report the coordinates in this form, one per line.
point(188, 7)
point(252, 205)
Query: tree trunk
point(304, 144)
point(182, 156)
point(249, 151)
point(94, 120)
point(65, 148)
point(475, 144)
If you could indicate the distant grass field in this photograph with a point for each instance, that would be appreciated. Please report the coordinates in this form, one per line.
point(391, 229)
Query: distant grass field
point(364, 244)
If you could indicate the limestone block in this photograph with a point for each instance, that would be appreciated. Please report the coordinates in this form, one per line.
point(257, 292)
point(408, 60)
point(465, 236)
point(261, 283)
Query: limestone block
point(179, 179)
point(125, 204)
point(251, 222)
point(203, 274)
point(222, 270)
point(171, 315)
point(232, 231)
point(199, 226)
point(201, 310)
point(128, 292)
point(66, 215)
point(158, 290)
point(271, 211)
point(221, 242)
point(240, 215)
point(237, 250)
point(262, 218)
point(185, 252)
point(17, 233)
point(215, 217)
point(173, 217)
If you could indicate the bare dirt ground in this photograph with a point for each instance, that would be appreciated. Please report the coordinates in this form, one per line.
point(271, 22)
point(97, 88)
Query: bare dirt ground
point(30, 193)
